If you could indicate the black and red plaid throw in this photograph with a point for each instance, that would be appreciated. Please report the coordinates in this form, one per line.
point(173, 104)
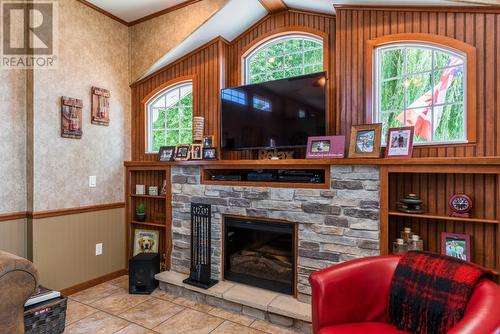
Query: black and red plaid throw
point(429, 292)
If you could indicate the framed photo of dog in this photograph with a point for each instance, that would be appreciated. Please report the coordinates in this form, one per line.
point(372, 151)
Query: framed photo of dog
point(146, 241)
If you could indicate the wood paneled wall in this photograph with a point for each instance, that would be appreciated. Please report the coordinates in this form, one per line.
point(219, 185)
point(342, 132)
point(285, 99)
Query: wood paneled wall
point(481, 29)
point(218, 64)
point(205, 66)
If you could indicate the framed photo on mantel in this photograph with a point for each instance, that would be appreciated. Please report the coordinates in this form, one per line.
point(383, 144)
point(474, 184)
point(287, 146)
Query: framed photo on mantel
point(365, 141)
point(325, 147)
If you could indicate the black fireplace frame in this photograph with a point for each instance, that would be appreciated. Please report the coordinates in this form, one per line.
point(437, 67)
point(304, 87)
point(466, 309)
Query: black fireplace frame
point(267, 284)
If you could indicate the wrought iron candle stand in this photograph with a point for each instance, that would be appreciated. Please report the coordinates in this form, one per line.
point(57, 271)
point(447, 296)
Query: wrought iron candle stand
point(201, 246)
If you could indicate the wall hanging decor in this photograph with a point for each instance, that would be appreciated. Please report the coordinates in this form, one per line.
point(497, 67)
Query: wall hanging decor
point(71, 117)
point(198, 127)
point(100, 106)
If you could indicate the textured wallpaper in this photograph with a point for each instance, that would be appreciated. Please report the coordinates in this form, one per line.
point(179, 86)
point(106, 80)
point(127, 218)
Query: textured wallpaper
point(152, 39)
point(93, 51)
point(12, 141)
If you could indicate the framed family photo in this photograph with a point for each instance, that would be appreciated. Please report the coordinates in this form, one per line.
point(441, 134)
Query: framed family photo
point(456, 245)
point(197, 151)
point(166, 153)
point(325, 147)
point(365, 141)
point(400, 142)
point(182, 152)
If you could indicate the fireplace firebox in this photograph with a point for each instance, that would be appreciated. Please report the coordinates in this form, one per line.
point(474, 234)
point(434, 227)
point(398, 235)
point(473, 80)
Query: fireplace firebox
point(260, 253)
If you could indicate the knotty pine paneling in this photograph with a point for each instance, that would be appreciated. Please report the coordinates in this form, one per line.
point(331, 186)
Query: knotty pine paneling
point(481, 29)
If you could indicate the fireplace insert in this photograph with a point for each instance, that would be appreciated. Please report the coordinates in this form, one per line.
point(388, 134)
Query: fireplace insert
point(260, 253)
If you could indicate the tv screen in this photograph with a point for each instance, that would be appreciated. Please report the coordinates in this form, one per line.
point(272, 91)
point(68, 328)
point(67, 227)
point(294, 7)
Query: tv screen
point(274, 114)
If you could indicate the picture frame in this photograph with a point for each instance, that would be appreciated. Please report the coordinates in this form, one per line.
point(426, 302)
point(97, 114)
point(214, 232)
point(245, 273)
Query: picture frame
point(146, 241)
point(166, 153)
point(182, 152)
point(100, 106)
point(209, 153)
point(400, 142)
point(456, 245)
point(365, 141)
point(196, 151)
point(325, 147)
point(208, 141)
point(71, 117)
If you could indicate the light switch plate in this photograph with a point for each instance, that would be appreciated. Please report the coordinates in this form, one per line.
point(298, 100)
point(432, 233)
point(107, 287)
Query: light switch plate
point(98, 249)
point(92, 181)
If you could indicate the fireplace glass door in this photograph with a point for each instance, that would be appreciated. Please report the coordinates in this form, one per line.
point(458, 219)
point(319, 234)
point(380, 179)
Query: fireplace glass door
point(260, 253)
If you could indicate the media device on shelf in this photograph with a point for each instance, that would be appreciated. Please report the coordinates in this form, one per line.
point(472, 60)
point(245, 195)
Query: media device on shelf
point(274, 114)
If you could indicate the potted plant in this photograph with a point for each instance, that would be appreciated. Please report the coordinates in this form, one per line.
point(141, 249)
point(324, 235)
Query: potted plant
point(140, 214)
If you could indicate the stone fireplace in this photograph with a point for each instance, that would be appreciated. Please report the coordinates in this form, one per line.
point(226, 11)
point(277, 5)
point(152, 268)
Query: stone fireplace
point(260, 252)
point(333, 225)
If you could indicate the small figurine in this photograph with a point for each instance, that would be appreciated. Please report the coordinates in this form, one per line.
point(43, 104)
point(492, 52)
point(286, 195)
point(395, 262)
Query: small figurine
point(411, 203)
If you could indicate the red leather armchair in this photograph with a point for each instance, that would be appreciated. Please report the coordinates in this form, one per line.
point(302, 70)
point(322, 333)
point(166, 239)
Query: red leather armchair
point(353, 297)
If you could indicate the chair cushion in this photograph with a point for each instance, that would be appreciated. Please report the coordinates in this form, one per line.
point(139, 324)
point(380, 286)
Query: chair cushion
point(361, 328)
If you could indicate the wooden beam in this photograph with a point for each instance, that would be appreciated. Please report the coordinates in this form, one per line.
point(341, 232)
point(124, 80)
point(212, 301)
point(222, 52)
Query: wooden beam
point(273, 6)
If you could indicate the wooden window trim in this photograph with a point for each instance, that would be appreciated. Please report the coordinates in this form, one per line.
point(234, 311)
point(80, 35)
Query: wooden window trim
point(282, 32)
point(439, 41)
point(163, 87)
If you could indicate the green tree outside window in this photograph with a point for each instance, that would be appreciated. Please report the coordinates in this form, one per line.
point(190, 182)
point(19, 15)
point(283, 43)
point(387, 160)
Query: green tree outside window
point(170, 117)
point(284, 57)
point(421, 80)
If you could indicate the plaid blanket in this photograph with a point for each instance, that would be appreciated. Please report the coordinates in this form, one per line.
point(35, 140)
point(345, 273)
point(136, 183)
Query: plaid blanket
point(429, 292)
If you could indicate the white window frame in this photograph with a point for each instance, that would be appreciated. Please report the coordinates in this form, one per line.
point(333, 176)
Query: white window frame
point(377, 87)
point(148, 106)
point(274, 40)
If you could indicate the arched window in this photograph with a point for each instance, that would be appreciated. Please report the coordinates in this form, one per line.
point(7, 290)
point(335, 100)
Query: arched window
point(170, 117)
point(422, 85)
point(284, 57)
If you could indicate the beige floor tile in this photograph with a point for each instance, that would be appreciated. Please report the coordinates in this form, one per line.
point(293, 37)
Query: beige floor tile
point(192, 304)
point(233, 316)
point(163, 295)
point(121, 281)
point(76, 311)
point(231, 328)
point(135, 329)
point(95, 293)
point(120, 302)
point(152, 312)
point(97, 323)
point(189, 322)
point(271, 329)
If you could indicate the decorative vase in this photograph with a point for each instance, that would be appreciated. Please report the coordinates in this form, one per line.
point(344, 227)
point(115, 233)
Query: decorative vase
point(198, 127)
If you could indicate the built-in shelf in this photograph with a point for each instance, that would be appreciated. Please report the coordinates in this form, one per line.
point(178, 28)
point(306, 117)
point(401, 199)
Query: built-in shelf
point(436, 217)
point(148, 223)
point(148, 196)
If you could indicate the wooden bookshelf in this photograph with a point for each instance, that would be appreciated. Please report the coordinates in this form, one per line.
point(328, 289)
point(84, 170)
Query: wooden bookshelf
point(435, 185)
point(157, 208)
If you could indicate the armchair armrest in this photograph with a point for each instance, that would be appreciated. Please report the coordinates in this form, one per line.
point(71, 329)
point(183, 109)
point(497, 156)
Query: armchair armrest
point(482, 315)
point(355, 291)
point(18, 281)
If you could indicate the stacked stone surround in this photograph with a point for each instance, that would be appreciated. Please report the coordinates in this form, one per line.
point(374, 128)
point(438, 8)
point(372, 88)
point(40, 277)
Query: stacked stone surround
point(334, 225)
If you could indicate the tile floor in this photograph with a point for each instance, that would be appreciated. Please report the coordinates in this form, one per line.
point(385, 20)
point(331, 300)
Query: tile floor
point(108, 308)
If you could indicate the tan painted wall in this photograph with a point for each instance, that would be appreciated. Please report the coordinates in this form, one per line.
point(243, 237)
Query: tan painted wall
point(13, 236)
point(152, 39)
point(12, 141)
point(64, 247)
point(93, 51)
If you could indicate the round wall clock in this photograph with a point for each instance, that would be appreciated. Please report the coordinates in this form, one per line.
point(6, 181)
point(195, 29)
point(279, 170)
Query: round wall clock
point(460, 206)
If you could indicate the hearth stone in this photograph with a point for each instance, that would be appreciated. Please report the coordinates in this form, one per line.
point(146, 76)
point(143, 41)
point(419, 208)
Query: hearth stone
point(344, 223)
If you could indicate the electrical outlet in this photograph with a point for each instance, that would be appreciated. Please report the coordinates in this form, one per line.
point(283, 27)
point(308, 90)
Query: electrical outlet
point(92, 181)
point(98, 249)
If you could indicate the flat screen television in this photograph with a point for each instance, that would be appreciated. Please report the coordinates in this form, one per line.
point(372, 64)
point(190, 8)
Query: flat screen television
point(274, 114)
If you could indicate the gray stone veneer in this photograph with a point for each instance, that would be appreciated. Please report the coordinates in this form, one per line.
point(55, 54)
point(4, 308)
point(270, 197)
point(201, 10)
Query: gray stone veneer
point(335, 225)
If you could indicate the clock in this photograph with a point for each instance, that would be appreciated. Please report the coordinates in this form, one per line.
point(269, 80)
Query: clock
point(460, 206)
